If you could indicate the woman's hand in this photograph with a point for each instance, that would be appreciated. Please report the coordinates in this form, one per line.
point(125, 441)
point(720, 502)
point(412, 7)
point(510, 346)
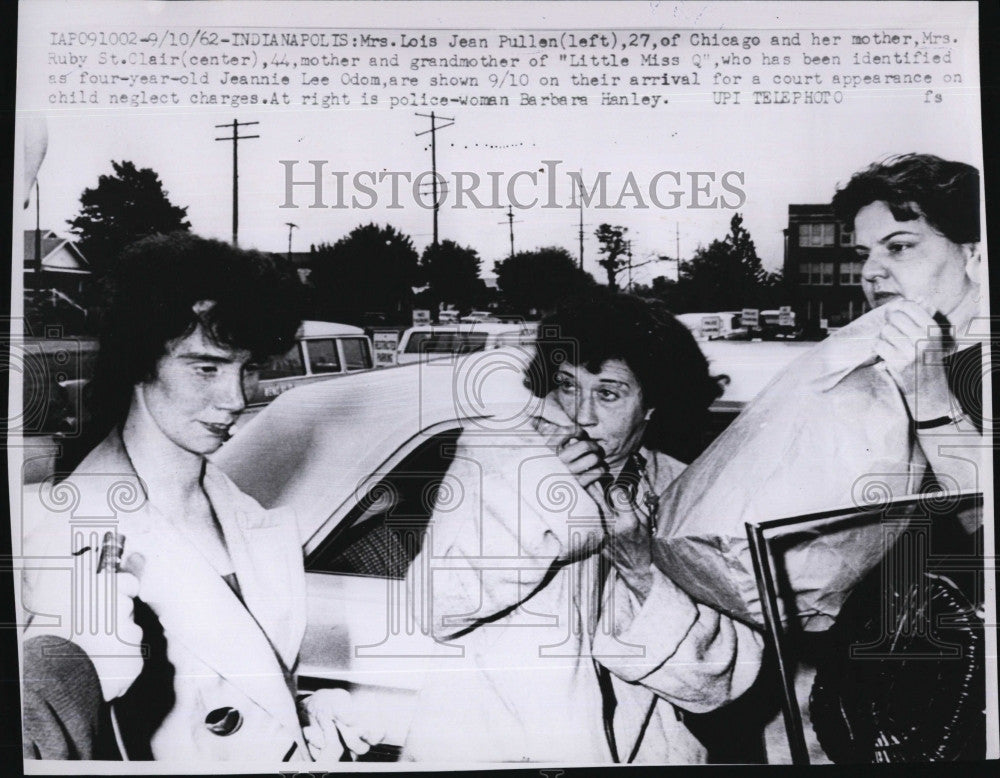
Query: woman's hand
point(627, 536)
point(911, 344)
point(629, 544)
point(584, 459)
point(96, 616)
point(337, 723)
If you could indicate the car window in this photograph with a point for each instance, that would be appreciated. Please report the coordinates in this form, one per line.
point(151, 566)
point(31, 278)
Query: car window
point(383, 533)
point(413, 345)
point(471, 342)
point(433, 343)
point(323, 356)
point(285, 366)
point(357, 355)
point(508, 339)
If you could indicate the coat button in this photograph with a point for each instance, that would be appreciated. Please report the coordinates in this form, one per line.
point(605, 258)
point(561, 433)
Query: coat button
point(223, 721)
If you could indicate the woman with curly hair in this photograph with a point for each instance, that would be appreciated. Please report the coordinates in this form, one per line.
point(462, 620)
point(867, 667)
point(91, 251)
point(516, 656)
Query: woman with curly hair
point(576, 648)
point(199, 665)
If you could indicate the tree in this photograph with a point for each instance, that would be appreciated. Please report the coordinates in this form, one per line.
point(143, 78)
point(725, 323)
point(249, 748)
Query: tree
point(452, 272)
point(533, 282)
point(371, 270)
point(725, 275)
point(122, 208)
point(613, 247)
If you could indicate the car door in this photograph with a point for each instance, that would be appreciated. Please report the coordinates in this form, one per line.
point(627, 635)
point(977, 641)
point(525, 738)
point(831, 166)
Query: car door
point(363, 633)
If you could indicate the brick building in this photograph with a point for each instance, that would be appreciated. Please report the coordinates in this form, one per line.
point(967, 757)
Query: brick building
point(823, 270)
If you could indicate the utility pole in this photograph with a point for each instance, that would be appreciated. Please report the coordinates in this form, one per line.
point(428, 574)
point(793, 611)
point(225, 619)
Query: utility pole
point(236, 138)
point(39, 280)
point(628, 253)
point(291, 227)
point(581, 218)
point(677, 262)
point(434, 187)
point(510, 222)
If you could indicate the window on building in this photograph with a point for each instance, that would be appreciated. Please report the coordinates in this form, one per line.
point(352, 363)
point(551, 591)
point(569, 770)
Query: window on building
point(825, 274)
point(850, 273)
point(816, 234)
point(812, 273)
point(846, 237)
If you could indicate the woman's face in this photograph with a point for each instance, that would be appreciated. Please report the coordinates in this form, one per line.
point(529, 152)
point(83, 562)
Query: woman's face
point(197, 394)
point(608, 405)
point(909, 259)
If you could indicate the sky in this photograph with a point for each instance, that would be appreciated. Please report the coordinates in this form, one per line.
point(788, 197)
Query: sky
point(784, 155)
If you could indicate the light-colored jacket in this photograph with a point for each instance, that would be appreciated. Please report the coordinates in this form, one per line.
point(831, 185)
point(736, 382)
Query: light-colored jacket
point(511, 579)
point(224, 654)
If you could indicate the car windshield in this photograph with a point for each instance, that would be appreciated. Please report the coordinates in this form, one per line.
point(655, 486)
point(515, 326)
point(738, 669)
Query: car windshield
point(445, 342)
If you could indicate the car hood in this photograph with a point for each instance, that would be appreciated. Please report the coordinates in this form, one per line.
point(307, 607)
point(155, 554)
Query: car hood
point(318, 445)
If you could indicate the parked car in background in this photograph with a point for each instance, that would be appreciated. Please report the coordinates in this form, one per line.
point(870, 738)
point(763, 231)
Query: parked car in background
point(473, 317)
point(55, 384)
point(772, 328)
point(323, 350)
point(437, 341)
point(711, 326)
point(362, 461)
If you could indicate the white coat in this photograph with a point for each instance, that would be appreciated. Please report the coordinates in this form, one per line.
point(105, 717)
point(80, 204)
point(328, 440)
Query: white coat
point(504, 584)
point(224, 654)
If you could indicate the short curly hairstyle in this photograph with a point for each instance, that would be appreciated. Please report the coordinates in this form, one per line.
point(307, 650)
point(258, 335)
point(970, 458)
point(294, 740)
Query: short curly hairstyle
point(150, 295)
point(600, 325)
point(945, 193)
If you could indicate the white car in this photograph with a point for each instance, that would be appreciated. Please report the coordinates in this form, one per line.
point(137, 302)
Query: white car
point(361, 460)
point(425, 342)
point(322, 350)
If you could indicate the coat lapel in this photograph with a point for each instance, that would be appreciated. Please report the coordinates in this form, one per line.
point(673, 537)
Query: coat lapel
point(267, 557)
point(195, 605)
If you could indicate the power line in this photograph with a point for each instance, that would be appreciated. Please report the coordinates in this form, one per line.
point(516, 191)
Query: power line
point(236, 138)
point(433, 131)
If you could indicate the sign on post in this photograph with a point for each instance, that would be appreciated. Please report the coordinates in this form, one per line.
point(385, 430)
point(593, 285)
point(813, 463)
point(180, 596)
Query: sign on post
point(711, 326)
point(421, 317)
point(785, 316)
point(385, 343)
point(750, 318)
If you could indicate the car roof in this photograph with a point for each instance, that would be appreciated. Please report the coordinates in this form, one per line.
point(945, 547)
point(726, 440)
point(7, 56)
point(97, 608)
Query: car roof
point(316, 444)
point(749, 365)
point(472, 326)
point(326, 329)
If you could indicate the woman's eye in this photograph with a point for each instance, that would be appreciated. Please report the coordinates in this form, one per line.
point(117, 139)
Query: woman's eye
point(206, 370)
point(565, 385)
point(607, 394)
point(898, 248)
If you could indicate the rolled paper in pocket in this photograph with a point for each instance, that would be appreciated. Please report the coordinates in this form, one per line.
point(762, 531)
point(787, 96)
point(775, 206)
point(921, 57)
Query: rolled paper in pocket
point(112, 550)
